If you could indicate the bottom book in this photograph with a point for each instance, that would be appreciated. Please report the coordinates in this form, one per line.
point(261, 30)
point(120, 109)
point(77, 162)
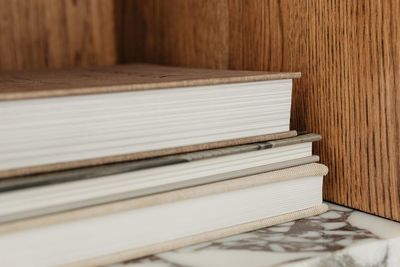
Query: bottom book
point(150, 224)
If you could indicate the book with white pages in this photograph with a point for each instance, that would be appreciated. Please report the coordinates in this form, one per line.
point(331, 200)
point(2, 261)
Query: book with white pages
point(60, 119)
point(92, 187)
point(137, 227)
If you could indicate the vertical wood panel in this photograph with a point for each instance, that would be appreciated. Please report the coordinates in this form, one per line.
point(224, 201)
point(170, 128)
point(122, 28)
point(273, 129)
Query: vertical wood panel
point(54, 34)
point(178, 32)
point(349, 54)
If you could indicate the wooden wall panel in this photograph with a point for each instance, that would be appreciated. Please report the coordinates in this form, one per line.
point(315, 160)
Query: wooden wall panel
point(348, 52)
point(54, 34)
point(176, 32)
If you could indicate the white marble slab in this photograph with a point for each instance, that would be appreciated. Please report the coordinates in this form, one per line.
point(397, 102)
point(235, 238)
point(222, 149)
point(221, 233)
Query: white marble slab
point(340, 237)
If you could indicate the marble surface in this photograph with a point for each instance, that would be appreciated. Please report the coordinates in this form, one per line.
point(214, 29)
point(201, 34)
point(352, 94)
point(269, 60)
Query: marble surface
point(340, 237)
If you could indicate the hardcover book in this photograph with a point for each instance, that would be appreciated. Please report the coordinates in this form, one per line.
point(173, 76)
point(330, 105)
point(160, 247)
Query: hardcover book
point(56, 120)
point(153, 223)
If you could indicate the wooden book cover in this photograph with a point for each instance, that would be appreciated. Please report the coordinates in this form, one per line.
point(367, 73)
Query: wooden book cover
point(120, 78)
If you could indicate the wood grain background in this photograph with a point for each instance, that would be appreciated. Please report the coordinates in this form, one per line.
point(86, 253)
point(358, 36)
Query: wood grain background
point(348, 52)
point(37, 34)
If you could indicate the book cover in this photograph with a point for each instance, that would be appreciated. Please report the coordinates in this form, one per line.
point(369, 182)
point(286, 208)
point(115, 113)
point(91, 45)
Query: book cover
point(16, 85)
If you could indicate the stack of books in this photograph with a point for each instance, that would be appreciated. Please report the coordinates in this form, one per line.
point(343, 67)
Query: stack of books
point(103, 165)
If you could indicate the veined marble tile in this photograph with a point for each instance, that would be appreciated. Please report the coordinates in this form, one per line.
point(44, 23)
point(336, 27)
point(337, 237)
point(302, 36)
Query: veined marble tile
point(340, 237)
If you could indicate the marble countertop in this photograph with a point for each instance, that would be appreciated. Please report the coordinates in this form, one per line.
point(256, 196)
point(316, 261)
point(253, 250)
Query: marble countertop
point(340, 237)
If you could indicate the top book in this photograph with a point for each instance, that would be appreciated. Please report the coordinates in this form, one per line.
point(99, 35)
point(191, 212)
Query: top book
point(60, 119)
